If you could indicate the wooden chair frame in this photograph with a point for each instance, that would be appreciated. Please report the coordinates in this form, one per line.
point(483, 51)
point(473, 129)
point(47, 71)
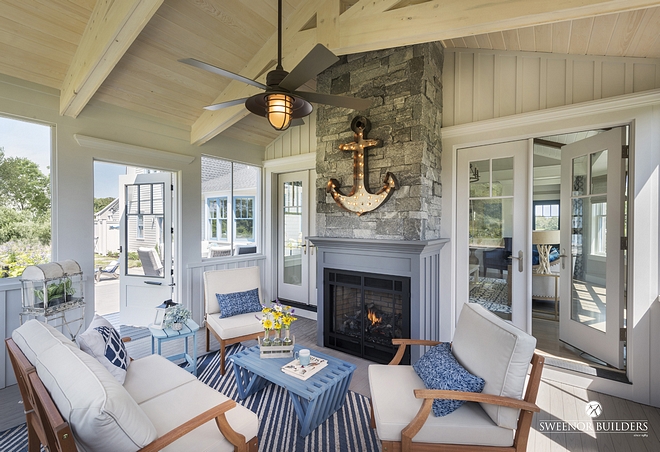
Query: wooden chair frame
point(527, 406)
point(46, 425)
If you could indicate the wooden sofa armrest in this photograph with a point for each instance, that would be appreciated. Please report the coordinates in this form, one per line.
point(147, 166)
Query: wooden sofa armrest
point(402, 343)
point(217, 413)
point(476, 397)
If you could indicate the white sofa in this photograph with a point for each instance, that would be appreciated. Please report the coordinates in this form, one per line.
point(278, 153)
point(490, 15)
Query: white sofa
point(486, 346)
point(156, 399)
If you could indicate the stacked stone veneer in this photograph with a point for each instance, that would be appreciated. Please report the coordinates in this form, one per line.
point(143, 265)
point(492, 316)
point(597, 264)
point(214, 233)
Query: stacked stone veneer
point(405, 87)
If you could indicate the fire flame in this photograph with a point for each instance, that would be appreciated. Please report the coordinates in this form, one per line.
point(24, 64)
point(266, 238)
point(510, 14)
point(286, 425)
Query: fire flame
point(371, 315)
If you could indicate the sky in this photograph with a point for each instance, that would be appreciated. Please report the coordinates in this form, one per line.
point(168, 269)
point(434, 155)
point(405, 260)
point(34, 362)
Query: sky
point(32, 140)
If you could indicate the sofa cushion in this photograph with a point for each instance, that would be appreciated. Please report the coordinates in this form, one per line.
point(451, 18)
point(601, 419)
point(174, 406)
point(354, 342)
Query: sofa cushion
point(167, 412)
point(144, 377)
point(236, 303)
point(438, 369)
point(103, 342)
point(395, 406)
point(498, 352)
point(239, 325)
point(101, 413)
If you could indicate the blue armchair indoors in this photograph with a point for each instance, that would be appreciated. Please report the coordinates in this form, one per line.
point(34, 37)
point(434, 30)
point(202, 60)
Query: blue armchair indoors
point(499, 258)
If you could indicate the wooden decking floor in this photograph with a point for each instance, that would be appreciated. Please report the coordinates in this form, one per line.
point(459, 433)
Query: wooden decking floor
point(558, 402)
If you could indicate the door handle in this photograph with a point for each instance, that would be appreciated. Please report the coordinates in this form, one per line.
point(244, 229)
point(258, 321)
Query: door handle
point(304, 247)
point(154, 283)
point(563, 256)
point(520, 260)
point(311, 249)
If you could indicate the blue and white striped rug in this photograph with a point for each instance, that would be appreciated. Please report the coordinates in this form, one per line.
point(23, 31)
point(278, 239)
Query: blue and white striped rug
point(345, 431)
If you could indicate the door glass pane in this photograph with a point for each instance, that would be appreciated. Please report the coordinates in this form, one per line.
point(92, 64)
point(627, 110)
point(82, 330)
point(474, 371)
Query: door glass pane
point(293, 239)
point(144, 238)
point(491, 226)
point(599, 172)
point(588, 274)
point(579, 175)
point(503, 177)
point(479, 179)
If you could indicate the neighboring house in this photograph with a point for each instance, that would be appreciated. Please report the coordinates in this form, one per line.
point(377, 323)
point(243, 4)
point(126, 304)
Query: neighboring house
point(106, 229)
point(521, 74)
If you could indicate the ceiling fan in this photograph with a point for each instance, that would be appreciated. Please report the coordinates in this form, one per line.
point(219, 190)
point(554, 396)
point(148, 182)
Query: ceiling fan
point(280, 102)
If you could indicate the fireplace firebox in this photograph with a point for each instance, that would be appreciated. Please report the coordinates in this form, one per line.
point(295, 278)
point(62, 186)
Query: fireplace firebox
point(364, 312)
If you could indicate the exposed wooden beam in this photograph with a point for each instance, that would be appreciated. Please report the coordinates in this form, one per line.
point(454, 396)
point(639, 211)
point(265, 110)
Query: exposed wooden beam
point(327, 23)
point(112, 28)
point(296, 44)
point(437, 20)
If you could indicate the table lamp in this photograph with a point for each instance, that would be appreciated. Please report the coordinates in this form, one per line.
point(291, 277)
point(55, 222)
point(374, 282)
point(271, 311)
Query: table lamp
point(544, 241)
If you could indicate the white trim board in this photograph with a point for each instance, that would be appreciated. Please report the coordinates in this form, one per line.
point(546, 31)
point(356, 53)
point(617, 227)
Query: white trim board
point(131, 149)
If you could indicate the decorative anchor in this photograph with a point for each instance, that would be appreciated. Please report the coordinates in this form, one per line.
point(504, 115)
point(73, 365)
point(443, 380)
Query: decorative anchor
point(360, 200)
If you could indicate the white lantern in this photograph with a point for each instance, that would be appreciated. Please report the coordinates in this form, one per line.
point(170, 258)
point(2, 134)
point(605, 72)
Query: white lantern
point(161, 312)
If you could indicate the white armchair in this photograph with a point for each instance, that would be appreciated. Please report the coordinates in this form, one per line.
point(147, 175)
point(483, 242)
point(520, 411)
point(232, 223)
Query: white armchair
point(234, 329)
point(499, 418)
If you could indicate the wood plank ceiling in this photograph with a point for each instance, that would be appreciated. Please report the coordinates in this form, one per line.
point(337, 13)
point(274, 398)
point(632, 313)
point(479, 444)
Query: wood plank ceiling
point(39, 40)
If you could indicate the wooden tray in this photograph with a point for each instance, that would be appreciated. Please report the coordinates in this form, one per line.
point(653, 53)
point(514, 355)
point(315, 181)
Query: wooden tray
point(280, 351)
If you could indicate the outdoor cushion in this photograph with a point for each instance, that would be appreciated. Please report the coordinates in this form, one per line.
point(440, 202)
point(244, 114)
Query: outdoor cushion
point(102, 415)
point(236, 303)
point(239, 325)
point(500, 354)
point(228, 281)
point(103, 342)
point(395, 406)
point(167, 411)
point(144, 377)
point(438, 369)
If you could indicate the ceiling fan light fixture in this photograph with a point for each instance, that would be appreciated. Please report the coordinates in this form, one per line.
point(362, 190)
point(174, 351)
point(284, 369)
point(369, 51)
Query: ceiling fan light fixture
point(279, 110)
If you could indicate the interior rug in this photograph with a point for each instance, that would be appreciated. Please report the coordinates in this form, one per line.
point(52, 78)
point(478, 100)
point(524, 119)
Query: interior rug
point(492, 294)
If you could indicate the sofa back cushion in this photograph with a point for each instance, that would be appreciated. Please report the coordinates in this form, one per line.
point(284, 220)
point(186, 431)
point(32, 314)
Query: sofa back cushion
point(229, 281)
point(101, 413)
point(496, 351)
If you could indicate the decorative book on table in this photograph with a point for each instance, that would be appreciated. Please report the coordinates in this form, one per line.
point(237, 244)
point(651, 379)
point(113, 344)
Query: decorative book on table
point(304, 372)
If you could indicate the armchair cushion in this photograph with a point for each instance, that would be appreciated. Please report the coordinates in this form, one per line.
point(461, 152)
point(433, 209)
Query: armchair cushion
point(438, 369)
point(498, 352)
point(237, 326)
point(102, 341)
point(395, 406)
point(228, 281)
point(236, 303)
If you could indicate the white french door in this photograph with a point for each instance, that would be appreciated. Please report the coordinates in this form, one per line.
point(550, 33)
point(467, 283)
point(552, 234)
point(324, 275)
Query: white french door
point(296, 262)
point(146, 245)
point(592, 271)
point(491, 230)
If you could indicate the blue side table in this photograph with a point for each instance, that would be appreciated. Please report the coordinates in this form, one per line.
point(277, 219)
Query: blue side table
point(159, 336)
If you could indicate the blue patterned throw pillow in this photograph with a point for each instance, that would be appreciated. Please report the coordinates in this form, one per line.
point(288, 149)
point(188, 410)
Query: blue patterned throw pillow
point(102, 341)
point(236, 303)
point(438, 369)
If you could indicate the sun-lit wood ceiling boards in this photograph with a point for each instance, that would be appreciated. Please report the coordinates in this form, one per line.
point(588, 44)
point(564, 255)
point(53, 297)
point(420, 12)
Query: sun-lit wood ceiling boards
point(112, 28)
point(296, 44)
point(39, 39)
point(627, 34)
point(440, 20)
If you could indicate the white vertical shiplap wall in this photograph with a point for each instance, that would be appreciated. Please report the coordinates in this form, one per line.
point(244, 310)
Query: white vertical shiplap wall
point(486, 84)
point(10, 307)
point(295, 141)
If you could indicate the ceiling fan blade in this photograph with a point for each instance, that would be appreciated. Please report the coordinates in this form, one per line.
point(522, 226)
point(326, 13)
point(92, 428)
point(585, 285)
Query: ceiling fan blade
point(297, 122)
point(229, 103)
point(356, 103)
point(223, 72)
point(317, 60)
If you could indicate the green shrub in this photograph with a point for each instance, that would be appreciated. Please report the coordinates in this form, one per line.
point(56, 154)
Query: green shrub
point(16, 255)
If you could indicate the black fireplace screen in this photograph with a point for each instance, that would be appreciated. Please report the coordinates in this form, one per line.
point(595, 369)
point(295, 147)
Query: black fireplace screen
point(363, 312)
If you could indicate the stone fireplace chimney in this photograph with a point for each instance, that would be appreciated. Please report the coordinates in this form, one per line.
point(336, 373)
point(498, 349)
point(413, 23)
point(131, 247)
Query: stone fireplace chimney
point(405, 87)
point(399, 243)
